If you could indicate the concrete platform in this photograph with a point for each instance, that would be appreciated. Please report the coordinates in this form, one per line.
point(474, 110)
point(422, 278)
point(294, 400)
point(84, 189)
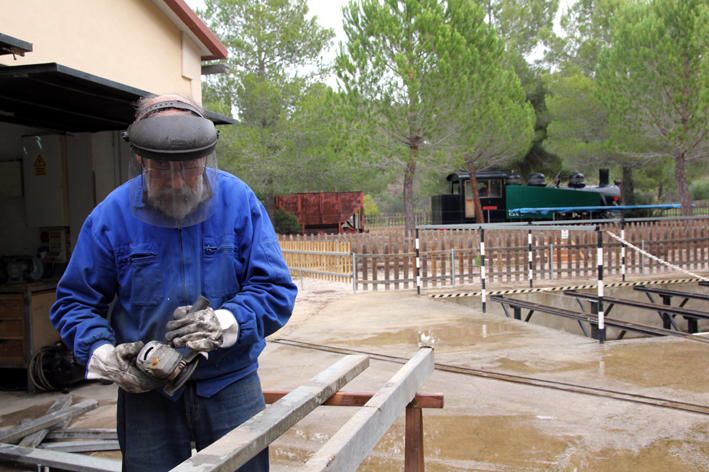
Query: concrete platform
point(486, 425)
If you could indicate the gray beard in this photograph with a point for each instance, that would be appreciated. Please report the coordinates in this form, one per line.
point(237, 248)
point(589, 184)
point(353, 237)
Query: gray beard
point(177, 203)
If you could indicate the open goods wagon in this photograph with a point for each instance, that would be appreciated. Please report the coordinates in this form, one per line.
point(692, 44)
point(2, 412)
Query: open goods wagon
point(325, 212)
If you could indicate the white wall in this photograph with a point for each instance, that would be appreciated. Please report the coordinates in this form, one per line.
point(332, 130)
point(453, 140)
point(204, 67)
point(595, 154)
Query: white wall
point(16, 237)
point(129, 41)
point(96, 164)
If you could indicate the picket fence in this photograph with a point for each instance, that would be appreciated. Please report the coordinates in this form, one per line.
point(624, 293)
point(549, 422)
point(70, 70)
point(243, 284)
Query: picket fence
point(451, 258)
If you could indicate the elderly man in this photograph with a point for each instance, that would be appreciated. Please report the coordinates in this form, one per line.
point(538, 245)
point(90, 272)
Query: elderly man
point(178, 230)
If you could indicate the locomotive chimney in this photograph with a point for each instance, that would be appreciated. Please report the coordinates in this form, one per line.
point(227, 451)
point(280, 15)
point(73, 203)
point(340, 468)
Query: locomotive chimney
point(603, 177)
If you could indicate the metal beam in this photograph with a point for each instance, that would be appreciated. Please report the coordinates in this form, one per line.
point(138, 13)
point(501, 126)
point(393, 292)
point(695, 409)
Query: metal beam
point(98, 433)
point(59, 460)
point(91, 445)
point(36, 438)
point(241, 444)
point(15, 434)
point(353, 442)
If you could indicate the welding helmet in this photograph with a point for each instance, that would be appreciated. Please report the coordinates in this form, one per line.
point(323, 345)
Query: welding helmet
point(174, 183)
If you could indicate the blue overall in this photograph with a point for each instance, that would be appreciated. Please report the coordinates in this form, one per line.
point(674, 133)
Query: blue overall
point(232, 258)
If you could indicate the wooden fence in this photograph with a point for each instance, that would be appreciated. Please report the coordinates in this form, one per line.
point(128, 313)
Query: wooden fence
point(451, 258)
point(327, 259)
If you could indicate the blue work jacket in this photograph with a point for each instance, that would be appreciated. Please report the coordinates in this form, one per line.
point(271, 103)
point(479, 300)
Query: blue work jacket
point(232, 258)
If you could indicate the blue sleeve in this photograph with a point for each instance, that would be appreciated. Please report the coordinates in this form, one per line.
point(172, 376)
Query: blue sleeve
point(84, 293)
point(267, 295)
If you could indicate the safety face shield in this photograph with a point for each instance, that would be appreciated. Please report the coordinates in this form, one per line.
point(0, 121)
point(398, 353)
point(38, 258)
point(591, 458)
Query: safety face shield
point(175, 170)
point(174, 194)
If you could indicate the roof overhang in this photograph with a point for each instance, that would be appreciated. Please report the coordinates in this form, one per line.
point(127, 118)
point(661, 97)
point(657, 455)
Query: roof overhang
point(189, 23)
point(60, 98)
point(12, 45)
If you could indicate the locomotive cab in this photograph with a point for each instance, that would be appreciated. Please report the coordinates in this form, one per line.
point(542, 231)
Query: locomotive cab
point(458, 206)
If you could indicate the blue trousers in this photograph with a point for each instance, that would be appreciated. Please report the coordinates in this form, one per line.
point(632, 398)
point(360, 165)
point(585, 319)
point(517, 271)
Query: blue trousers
point(155, 433)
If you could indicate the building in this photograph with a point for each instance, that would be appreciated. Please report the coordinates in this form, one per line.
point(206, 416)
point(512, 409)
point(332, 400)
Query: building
point(70, 73)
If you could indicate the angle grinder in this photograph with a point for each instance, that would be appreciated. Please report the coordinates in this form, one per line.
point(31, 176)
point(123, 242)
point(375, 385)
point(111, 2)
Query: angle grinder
point(164, 362)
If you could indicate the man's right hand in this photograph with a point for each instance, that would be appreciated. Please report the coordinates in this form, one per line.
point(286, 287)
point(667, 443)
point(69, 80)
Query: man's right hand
point(117, 364)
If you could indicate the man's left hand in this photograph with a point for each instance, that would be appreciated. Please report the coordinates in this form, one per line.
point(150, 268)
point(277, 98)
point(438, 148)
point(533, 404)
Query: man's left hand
point(199, 331)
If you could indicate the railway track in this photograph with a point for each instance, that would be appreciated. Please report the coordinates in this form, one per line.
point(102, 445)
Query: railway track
point(519, 379)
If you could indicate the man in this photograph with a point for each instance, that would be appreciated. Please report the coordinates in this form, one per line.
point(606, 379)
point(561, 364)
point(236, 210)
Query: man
point(178, 230)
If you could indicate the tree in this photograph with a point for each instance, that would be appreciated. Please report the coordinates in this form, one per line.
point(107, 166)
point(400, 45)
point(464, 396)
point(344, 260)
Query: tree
point(274, 56)
point(578, 129)
point(492, 120)
point(391, 69)
point(654, 79)
point(522, 24)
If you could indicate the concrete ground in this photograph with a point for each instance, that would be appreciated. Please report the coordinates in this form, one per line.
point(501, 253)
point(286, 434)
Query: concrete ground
point(486, 425)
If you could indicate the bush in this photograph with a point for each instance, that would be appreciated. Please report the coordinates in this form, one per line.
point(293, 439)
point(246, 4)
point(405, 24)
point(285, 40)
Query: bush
point(285, 223)
point(370, 206)
point(699, 190)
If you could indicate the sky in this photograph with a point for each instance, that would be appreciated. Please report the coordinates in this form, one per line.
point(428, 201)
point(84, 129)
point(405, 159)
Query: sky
point(329, 14)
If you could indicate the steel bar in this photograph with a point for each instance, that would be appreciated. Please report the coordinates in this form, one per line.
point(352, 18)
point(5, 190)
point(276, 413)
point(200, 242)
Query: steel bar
point(592, 320)
point(99, 433)
point(675, 310)
point(92, 445)
point(674, 293)
point(36, 438)
point(59, 460)
point(243, 443)
point(15, 434)
point(351, 444)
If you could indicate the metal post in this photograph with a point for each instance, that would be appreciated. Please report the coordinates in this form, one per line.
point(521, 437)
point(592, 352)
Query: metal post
point(482, 270)
point(551, 260)
point(599, 256)
point(622, 247)
point(354, 271)
point(529, 255)
point(418, 265)
point(642, 257)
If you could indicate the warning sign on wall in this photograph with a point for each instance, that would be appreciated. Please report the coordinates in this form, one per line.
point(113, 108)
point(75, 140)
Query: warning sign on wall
point(39, 165)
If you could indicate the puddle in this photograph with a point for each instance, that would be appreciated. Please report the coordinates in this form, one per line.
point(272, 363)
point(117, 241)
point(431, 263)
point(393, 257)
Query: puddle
point(675, 365)
point(451, 443)
point(504, 443)
point(448, 336)
point(660, 456)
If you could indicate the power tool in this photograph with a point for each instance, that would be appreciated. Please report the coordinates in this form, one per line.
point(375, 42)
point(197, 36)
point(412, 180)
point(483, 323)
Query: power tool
point(164, 362)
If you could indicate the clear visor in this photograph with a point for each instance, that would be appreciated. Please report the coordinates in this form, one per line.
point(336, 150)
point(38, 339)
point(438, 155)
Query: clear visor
point(173, 194)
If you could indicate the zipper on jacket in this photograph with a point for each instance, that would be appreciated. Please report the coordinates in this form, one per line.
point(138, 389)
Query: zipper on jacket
point(185, 294)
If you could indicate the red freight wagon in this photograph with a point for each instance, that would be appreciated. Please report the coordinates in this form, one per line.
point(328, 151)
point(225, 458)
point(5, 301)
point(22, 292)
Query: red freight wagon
point(325, 212)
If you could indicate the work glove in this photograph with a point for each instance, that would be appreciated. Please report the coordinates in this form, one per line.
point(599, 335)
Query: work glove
point(200, 331)
point(117, 364)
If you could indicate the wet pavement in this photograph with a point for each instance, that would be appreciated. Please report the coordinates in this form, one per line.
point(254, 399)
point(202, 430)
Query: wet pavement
point(486, 424)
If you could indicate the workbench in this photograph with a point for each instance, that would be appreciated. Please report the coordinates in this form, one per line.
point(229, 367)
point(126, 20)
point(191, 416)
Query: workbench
point(24, 323)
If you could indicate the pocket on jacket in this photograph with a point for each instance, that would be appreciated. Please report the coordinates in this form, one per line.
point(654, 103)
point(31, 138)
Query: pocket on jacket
point(219, 269)
point(144, 275)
